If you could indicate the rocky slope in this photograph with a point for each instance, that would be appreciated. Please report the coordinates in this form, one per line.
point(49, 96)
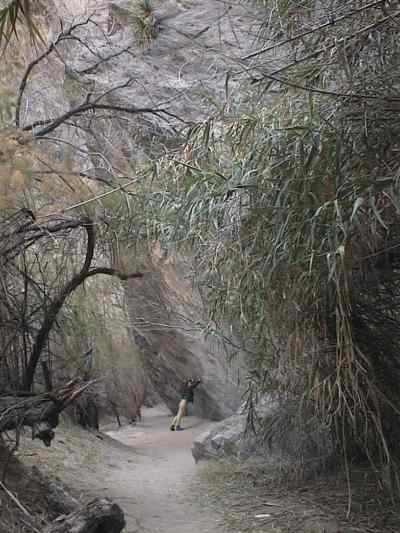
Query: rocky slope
point(168, 322)
point(181, 68)
point(177, 60)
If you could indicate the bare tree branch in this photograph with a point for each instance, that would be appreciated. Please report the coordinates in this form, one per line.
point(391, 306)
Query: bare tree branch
point(92, 69)
point(31, 232)
point(57, 303)
point(327, 24)
point(92, 106)
point(63, 35)
point(114, 272)
point(331, 46)
point(40, 412)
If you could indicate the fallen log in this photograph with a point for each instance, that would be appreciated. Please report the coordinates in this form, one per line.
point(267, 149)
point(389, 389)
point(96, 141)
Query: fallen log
point(40, 412)
point(101, 515)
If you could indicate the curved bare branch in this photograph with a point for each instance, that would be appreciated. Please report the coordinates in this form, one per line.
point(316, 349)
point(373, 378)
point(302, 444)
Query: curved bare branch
point(67, 290)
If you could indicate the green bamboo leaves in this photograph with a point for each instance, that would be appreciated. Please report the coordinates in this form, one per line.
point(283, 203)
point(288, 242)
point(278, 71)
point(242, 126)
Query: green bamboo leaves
point(15, 13)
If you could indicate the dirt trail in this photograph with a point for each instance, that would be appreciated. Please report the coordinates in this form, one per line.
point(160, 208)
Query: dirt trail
point(146, 468)
point(149, 471)
point(155, 490)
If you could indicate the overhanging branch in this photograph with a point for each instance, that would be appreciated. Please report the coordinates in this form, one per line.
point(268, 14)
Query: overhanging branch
point(57, 303)
point(40, 412)
point(63, 35)
point(93, 106)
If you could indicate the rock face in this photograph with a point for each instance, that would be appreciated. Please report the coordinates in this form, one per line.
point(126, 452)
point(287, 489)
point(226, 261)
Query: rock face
point(230, 438)
point(184, 62)
point(178, 63)
point(304, 449)
point(223, 440)
point(167, 319)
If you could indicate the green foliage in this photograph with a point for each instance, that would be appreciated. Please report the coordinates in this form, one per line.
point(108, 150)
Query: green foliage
point(95, 317)
point(290, 203)
point(146, 31)
point(139, 14)
point(17, 11)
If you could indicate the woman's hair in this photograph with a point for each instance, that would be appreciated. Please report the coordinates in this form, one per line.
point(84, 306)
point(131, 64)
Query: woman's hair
point(189, 381)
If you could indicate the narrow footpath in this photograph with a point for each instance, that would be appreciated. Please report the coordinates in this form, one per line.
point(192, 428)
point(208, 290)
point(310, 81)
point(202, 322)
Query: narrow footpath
point(150, 472)
point(146, 468)
point(155, 489)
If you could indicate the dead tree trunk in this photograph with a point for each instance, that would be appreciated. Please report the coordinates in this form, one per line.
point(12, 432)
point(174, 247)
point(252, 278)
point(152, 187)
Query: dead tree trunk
point(57, 303)
point(98, 516)
point(86, 412)
point(40, 412)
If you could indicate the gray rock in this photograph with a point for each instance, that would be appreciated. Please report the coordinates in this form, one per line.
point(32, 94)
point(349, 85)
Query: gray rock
point(167, 320)
point(223, 440)
point(180, 69)
point(281, 437)
point(229, 438)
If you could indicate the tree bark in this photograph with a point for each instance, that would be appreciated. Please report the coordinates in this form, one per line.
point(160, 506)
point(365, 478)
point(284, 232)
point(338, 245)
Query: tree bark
point(98, 516)
point(38, 412)
point(57, 303)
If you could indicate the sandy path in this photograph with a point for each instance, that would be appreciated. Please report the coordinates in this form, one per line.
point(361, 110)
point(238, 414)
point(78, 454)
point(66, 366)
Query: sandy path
point(150, 472)
point(147, 469)
point(155, 488)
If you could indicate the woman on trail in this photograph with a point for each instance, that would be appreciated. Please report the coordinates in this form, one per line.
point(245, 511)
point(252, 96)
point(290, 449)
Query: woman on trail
point(187, 397)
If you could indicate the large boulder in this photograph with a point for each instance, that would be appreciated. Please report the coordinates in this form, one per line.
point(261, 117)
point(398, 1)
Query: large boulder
point(235, 436)
point(279, 435)
point(224, 439)
point(168, 325)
